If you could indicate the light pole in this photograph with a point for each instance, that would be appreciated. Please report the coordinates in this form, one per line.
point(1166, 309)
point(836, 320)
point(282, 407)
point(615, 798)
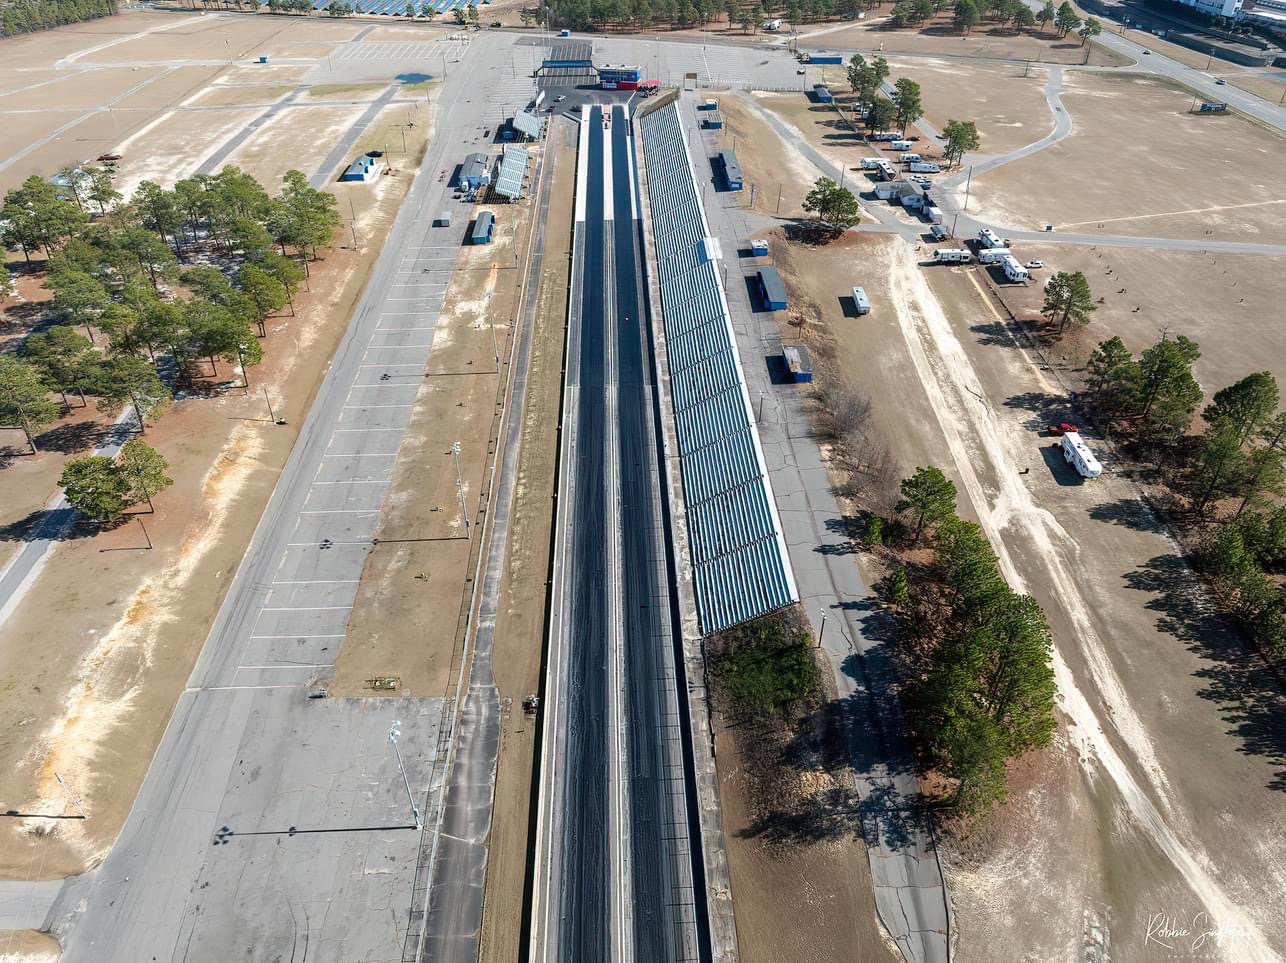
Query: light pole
point(821, 633)
point(394, 731)
point(459, 486)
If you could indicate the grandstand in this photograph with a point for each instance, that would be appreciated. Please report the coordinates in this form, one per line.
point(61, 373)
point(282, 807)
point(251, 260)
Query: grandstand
point(397, 8)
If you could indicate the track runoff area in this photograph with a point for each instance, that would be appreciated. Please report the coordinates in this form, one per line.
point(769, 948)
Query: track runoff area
point(616, 865)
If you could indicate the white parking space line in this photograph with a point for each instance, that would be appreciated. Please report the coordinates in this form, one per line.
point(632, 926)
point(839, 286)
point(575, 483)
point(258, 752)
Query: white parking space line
point(379, 406)
point(296, 637)
point(315, 581)
point(305, 608)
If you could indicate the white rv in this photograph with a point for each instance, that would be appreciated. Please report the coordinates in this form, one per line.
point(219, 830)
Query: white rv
point(771, 25)
point(908, 158)
point(993, 255)
point(934, 214)
point(902, 145)
point(1079, 456)
point(952, 255)
point(860, 301)
point(989, 238)
point(1013, 270)
point(871, 163)
point(924, 167)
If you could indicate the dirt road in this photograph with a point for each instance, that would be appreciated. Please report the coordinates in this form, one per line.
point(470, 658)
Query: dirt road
point(1158, 801)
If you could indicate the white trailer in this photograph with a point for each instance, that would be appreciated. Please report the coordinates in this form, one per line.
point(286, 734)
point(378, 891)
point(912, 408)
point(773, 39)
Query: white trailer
point(888, 171)
point(952, 255)
point(993, 255)
point(1013, 270)
point(908, 158)
point(872, 163)
point(860, 301)
point(934, 214)
point(1079, 456)
point(924, 167)
point(989, 238)
point(902, 144)
point(883, 135)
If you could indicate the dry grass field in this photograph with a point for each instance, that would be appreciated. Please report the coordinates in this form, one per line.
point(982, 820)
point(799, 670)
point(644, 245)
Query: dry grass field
point(1138, 163)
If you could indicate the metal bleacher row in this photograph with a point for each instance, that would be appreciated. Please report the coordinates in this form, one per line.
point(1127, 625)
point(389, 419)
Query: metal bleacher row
point(397, 8)
point(740, 565)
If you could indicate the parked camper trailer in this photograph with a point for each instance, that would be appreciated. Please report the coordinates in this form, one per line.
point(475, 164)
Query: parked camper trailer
point(952, 255)
point(872, 163)
point(883, 135)
point(993, 255)
point(907, 158)
point(989, 238)
point(1013, 270)
point(934, 214)
point(1079, 456)
point(924, 167)
point(902, 145)
point(888, 171)
point(860, 301)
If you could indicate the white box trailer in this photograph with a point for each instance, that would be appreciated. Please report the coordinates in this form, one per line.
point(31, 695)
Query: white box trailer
point(993, 255)
point(952, 255)
point(924, 167)
point(860, 301)
point(934, 214)
point(907, 158)
point(902, 144)
point(883, 135)
point(871, 163)
point(1013, 270)
point(1079, 456)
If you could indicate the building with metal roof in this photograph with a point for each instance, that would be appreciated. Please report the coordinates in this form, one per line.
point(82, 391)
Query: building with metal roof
point(513, 173)
point(740, 565)
point(365, 168)
point(475, 172)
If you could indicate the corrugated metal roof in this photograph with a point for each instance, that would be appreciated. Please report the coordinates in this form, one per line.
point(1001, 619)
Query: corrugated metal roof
point(527, 124)
point(513, 172)
point(740, 567)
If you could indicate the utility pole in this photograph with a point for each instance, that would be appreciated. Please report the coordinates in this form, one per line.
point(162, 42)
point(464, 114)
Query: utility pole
point(968, 181)
point(71, 795)
point(394, 731)
point(352, 222)
point(821, 633)
point(459, 485)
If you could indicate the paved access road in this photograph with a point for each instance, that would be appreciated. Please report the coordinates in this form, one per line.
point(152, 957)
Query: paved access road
point(269, 820)
point(616, 879)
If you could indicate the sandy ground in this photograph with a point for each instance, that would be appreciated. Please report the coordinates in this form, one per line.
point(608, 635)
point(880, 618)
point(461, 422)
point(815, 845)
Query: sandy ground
point(238, 95)
point(1226, 181)
point(1222, 301)
point(799, 901)
point(781, 176)
point(939, 37)
point(1009, 109)
point(313, 132)
point(520, 623)
point(115, 651)
point(410, 613)
point(28, 946)
point(1071, 868)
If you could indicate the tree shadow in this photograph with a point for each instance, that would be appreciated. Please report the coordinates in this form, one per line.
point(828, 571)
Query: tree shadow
point(994, 334)
point(58, 524)
point(1132, 513)
point(71, 438)
point(1046, 409)
point(1238, 680)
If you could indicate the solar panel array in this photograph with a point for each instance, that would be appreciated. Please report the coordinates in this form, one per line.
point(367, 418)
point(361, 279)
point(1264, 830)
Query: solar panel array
point(513, 172)
point(740, 566)
point(527, 124)
point(397, 8)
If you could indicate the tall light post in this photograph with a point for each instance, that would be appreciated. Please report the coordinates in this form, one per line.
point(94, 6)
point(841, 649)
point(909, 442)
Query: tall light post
point(394, 731)
point(459, 486)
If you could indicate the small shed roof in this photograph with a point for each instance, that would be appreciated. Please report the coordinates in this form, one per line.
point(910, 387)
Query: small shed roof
point(774, 289)
point(475, 166)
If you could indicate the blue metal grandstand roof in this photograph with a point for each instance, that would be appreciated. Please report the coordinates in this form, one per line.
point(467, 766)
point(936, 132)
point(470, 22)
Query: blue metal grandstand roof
point(740, 565)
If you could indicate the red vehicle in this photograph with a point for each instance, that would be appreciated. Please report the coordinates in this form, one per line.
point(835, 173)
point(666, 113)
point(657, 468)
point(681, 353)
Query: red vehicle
point(1063, 429)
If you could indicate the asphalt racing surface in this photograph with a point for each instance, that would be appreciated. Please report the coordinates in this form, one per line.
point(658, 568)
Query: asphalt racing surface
point(624, 885)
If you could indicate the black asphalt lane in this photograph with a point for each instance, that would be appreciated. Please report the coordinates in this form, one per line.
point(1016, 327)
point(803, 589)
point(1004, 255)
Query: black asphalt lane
point(585, 931)
point(645, 592)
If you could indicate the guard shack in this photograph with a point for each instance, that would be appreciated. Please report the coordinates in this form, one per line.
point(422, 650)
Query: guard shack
point(771, 289)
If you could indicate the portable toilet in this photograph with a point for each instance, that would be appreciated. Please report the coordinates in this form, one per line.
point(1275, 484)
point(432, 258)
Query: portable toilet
point(484, 227)
point(758, 248)
point(860, 301)
point(263, 59)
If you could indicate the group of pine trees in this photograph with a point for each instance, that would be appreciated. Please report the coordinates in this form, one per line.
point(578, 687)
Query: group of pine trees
point(147, 294)
point(1238, 460)
point(980, 686)
point(30, 16)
